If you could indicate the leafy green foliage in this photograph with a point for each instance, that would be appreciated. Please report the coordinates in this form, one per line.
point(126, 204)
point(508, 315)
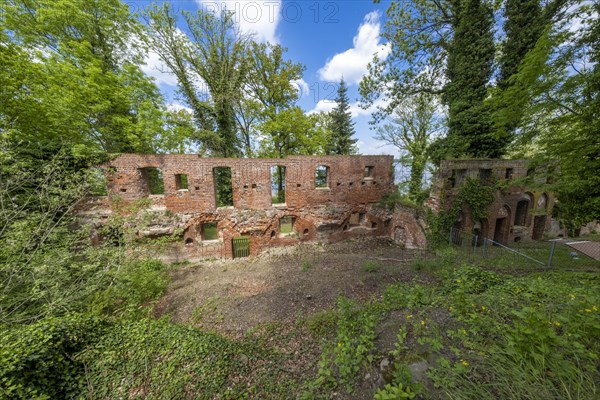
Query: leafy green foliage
point(131, 287)
point(394, 392)
point(341, 361)
point(410, 130)
point(160, 359)
point(40, 360)
point(72, 81)
point(472, 194)
point(470, 60)
point(370, 266)
point(216, 53)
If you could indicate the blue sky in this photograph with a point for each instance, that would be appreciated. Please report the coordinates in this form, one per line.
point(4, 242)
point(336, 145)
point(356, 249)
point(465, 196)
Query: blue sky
point(330, 38)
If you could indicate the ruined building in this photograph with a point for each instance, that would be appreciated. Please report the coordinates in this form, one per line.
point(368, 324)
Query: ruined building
point(517, 212)
point(236, 207)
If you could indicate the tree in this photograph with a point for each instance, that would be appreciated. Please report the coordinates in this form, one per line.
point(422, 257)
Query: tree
point(270, 87)
point(74, 82)
point(217, 54)
point(292, 132)
point(560, 77)
point(418, 33)
point(469, 69)
point(342, 126)
point(524, 24)
point(411, 130)
point(442, 48)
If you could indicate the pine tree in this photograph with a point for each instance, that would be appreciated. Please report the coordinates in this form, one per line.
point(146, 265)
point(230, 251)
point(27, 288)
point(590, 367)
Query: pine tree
point(342, 126)
point(469, 68)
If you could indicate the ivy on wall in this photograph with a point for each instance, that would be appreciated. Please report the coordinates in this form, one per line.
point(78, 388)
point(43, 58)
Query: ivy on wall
point(473, 195)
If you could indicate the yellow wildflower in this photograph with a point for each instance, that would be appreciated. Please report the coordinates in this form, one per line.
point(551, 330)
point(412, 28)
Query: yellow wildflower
point(463, 362)
point(422, 323)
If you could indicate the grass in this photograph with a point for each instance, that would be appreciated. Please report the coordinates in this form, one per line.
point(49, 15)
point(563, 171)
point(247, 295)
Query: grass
point(370, 266)
point(286, 225)
point(306, 265)
point(484, 335)
point(494, 330)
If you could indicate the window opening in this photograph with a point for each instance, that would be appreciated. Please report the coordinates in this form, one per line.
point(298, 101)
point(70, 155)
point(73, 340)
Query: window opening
point(223, 186)
point(209, 231)
point(521, 212)
point(458, 176)
point(322, 176)
point(509, 173)
point(181, 182)
point(485, 175)
point(278, 184)
point(369, 171)
point(154, 180)
point(286, 224)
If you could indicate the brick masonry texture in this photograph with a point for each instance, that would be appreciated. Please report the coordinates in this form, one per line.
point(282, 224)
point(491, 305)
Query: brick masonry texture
point(345, 208)
point(517, 213)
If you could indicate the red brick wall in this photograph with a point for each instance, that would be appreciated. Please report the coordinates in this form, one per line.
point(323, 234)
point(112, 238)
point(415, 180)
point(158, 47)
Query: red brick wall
point(251, 180)
point(319, 213)
point(443, 193)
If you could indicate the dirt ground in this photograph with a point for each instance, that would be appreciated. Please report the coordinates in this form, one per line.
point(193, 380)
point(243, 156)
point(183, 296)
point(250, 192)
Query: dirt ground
point(233, 296)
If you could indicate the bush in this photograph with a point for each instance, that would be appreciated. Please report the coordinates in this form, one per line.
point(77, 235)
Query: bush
point(39, 361)
point(131, 286)
point(370, 266)
point(161, 360)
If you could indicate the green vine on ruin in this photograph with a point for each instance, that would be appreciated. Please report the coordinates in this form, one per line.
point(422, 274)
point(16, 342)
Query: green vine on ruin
point(472, 194)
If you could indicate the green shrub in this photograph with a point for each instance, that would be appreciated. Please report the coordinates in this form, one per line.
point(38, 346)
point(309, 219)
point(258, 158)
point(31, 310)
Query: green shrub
point(131, 286)
point(162, 360)
point(355, 334)
point(395, 392)
point(322, 323)
point(471, 280)
point(39, 361)
point(370, 266)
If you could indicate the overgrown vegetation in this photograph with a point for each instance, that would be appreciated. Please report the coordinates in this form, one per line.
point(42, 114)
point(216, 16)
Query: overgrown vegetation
point(481, 335)
point(76, 312)
point(472, 194)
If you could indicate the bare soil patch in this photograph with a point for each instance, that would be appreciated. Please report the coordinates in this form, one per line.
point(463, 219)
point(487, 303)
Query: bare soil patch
point(233, 296)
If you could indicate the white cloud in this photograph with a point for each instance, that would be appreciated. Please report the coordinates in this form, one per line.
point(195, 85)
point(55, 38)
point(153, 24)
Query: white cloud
point(256, 17)
point(179, 107)
point(155, 68)
point(375, 147)
point(302, 87)
point(352, 63)
point(355, 110)
point(323, 106)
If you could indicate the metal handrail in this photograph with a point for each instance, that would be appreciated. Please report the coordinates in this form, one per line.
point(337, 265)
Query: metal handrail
point(514, 251)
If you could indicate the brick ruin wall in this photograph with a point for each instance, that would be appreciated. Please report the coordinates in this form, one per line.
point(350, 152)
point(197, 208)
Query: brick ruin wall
point(345, 208)
point(517, 213)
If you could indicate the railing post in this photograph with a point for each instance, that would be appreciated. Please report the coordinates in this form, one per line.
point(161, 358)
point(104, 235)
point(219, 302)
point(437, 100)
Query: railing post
point(551, 254)
point(485, 241)
point(475, 244)
point(450, 237)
